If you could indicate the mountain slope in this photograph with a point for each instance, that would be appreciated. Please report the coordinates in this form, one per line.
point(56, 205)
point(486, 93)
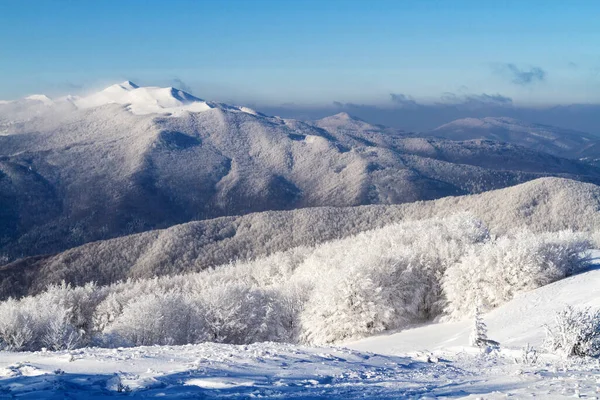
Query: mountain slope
point(130, 159)
point(548, 204)
point(557, 141)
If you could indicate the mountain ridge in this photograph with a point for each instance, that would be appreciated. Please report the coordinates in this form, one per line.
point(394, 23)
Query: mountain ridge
point(548, 204)
point(553, 140)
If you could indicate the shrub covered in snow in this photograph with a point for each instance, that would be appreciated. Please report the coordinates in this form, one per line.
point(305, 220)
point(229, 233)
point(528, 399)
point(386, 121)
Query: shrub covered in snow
point(498, 269)
point(529, 355)
point(576, 332)
point(31, 325)
point(162, 318)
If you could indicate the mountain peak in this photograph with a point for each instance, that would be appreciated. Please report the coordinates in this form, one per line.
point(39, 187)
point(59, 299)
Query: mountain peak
point(345, 116)
point(129, 85)
point(550, 139)
point(120, 87)
point(342, 118)
point(41, 98)
point(145, 99)
point(480, 122)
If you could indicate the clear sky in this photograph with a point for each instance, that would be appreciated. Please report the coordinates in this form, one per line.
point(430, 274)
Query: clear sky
point(307, 51)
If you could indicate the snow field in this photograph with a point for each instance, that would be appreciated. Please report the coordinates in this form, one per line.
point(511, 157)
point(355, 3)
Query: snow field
point(215, 370)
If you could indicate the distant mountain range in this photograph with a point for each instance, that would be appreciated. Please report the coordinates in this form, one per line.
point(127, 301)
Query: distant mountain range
point(130, 159)
point(549, 139)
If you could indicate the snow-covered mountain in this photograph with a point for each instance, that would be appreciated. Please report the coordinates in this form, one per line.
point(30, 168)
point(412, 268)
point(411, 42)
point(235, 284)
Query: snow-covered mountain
point(344, 123)
point(129, 159)
point(550, 139)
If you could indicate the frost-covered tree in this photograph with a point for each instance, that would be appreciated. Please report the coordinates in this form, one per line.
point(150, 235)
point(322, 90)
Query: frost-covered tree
point(60, 333)
point(384, 279)
point(350, 306)
point(32, 323)
point(498, 269)
point(165, 319)
point(239, 313)
point(16, 327)
point(478, 336)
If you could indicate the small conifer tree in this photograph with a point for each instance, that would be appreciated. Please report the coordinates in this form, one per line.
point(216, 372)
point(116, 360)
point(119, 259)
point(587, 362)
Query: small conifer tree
point(478, 335)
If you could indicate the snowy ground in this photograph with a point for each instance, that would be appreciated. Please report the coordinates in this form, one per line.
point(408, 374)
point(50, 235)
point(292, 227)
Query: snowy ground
point(262, 370)
point(431, 361)
point(285, 371)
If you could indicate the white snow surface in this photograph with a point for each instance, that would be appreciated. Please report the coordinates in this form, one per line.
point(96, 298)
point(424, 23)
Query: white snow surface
point(145, 100)
point(166, 101)
point(41, 98)
point(433, 361)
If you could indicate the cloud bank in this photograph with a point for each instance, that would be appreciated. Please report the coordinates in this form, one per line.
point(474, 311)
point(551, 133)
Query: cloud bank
point(404, 112)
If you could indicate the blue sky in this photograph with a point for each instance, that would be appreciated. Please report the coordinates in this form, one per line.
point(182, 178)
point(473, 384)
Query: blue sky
point(307, 51)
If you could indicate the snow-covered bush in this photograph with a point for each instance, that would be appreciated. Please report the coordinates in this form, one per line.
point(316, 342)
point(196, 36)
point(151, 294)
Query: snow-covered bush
point(351, 306)
point(384, 279)
point(238, 313)
point(32, 323)
point(292, 299)
point(498, 269)
point(529, 355)
point(16, 327)
point(60, 334)
point(576, 332)
point(166, 319)
point(595, 238)
point(77, 305)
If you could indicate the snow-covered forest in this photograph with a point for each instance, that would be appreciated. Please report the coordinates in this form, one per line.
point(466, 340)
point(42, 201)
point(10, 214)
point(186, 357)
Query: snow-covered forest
point(385, 279)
